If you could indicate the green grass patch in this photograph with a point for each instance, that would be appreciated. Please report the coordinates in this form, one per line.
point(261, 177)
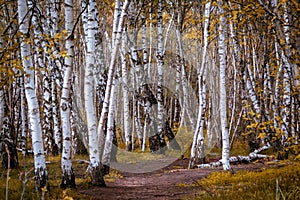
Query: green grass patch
point(268, 183)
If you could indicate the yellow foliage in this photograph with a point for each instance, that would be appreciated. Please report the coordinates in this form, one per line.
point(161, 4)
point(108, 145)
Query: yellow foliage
point(262, 135)
point(66, 196)
point(63, 53)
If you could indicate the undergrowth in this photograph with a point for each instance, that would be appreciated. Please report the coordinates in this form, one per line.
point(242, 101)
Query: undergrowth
point(268, 183)
point(16, 179)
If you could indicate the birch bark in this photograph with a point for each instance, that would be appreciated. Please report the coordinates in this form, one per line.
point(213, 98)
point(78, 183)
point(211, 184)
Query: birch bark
point(223, 97)
point(286, 112)
point(111, 70)
point(198, 141)
point(125, 94)
point(41, 174)
point(68, 176)
point(160, 70)
point(95, 163)
point(106, 158)
point(55, 68)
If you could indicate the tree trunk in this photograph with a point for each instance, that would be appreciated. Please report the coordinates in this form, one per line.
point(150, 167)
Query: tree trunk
point(55, 74)
point(41, 174)
point(95, 164)
point(68, 176)
point(198, 141)
point(111, 132)
point(126, 118)
point(223, 97)
point(160, 70)
point(111, 71)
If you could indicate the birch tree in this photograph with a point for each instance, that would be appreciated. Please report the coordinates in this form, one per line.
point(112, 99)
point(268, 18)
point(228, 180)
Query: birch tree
point(223, 97)
point(41, 174)
point(125, 93)
point(68, 177)
point(111, 71)
point(95, 162)
point(54, 69)
point(160, 71)
point(198, 141)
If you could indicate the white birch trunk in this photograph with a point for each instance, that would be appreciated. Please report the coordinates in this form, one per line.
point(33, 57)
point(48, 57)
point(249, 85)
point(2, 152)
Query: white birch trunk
point(160, 70)
point(55, 115)
point(41, 174)
point(125, 94)
point(95, 163)
point(106, 158)
point(198, 141)
point(286, 112)
point(117, 15)
point(145, 80)
point(89, 86)
point(277, 88)
point(23, 118)
point(236, 62)
point(250, 84)
point(223, 97)
point(138, 67)
point(68, 177)
point(55, 68)
point(111, 71)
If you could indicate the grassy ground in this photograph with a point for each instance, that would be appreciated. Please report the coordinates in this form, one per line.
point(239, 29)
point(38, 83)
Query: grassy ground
point(280, 182)
point(16, 180)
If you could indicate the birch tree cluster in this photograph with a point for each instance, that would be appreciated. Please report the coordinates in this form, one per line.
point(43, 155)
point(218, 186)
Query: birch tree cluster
point(99, 76)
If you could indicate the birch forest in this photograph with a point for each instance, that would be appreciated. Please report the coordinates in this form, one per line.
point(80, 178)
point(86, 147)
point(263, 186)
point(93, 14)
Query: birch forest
point(98, 96)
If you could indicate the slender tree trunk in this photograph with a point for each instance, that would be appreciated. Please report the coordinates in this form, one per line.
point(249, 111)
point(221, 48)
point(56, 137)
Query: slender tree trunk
point(125, 94)
point(41, 174)
point(106, 157)
point(248, 77)
point(68, 176)
point(287, 74)
point(160, 70)
point(223, 97)
point(137, 66)
point(198, 141)
point(111, 71)
point(55, 68)
point(95, 167)
point(23, 119)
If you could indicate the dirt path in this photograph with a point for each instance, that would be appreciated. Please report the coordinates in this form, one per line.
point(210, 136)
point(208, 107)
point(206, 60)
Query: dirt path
point(160, 184)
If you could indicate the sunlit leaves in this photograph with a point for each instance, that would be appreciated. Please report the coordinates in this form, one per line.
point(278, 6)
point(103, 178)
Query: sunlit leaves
point(63, 53)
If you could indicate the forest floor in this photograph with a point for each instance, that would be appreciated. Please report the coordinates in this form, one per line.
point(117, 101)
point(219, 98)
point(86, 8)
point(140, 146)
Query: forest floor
point(172, 182)
point(263, 179)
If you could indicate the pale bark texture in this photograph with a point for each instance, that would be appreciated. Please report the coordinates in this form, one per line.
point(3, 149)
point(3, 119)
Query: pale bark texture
point(53, 9)
point(125, 94)
point(41, 174)
point(223, 97)
point(158, 141)
point(111, 72)
point(68, 176)
point(197, 150)
point(95, 163)
point(110, 132)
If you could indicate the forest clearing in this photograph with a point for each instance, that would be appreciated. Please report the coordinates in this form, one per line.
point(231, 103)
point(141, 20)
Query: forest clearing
point(150, 99)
